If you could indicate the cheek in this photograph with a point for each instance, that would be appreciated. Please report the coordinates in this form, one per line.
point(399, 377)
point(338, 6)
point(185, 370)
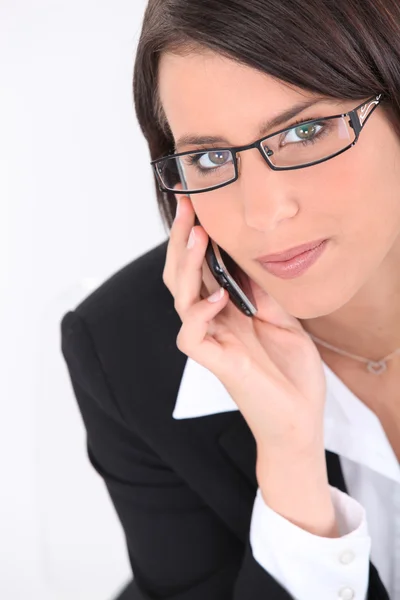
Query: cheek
point(219, 217)
point(370, 200)
point(370, 210)
point(350, 195)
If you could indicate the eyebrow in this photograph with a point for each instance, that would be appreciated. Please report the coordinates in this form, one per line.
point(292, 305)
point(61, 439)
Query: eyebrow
point(264, 128)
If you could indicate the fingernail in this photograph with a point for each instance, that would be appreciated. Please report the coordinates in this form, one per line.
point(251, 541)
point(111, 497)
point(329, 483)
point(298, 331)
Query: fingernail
point(191, 239)
point(216, 295)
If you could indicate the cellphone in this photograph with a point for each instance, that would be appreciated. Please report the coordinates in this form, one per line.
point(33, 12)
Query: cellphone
point(219, 262)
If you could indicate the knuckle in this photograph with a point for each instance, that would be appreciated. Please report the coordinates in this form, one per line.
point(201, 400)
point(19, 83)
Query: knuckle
point(181, 340)
point(178, 307)
point(165, 278)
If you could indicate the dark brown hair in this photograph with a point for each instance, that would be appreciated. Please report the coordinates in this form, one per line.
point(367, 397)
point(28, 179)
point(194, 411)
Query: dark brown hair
point(344, 49)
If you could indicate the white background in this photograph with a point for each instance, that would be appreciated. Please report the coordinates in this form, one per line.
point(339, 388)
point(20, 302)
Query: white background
point(72, 211)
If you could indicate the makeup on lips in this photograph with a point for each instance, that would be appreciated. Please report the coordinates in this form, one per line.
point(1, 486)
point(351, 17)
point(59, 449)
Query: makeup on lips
point(294, 262)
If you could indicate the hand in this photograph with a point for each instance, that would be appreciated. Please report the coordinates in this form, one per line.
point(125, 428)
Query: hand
point(268, 363)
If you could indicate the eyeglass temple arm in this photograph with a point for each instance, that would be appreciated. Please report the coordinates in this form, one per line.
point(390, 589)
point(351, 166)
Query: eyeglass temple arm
point(358, 122)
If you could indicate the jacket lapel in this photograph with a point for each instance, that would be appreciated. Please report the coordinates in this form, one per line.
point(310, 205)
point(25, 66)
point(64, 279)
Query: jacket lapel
point(223, 448)
point(238, 445)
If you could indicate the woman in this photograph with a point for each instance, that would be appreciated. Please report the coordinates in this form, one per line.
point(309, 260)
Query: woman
point(257, 457)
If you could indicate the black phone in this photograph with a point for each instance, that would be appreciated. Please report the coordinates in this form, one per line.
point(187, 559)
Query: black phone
point(227, 274)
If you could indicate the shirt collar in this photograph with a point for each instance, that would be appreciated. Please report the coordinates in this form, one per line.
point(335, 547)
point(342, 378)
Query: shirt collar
point(351, 429)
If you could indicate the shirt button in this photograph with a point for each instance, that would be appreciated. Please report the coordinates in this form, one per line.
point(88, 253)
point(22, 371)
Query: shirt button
point(347, 557)
point(346, 593)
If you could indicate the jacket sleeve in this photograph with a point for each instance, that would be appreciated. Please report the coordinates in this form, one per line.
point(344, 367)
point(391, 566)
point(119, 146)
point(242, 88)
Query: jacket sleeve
point(178, 547)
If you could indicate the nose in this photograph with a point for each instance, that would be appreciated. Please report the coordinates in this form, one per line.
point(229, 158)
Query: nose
point(267, 197)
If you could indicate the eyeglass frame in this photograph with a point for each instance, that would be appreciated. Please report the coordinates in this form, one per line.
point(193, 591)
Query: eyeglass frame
point(356, 123)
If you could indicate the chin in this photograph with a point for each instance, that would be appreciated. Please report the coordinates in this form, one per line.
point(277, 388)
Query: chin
point(311, 306)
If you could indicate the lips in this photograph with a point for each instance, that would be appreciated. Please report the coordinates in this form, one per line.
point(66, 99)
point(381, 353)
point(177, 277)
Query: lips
point(294, 267)
point(291, 253)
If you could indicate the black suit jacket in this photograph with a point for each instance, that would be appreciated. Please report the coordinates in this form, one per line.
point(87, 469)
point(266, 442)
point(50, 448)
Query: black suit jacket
point(182, 489)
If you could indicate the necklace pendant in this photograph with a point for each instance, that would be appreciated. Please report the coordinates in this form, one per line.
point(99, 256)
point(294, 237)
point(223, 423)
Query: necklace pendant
point(377, 367)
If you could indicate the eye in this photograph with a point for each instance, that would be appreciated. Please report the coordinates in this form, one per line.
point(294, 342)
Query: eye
point(212, 159)
point(304, 133)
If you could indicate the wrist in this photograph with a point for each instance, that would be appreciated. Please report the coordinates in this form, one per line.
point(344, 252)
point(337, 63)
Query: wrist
point(302, 458)
point(298, 489)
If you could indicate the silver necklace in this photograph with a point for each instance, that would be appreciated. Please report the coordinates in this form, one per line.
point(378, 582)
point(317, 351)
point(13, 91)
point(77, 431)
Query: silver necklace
point(375, 367)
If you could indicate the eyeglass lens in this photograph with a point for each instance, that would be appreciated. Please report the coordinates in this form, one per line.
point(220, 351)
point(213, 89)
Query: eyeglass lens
point(300, 145)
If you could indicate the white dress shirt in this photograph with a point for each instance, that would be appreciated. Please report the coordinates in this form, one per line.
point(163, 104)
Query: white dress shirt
point(312, 567)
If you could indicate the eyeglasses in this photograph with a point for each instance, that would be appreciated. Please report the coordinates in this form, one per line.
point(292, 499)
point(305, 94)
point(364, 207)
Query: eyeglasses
point(296, 147)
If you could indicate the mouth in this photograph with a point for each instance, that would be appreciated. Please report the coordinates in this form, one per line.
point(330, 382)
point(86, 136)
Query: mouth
point(297, 265)
point(290, 253)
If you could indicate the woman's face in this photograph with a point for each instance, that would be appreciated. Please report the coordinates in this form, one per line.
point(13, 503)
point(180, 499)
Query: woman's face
point(352, 199)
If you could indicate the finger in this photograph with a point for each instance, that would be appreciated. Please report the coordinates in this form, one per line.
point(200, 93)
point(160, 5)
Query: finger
point(179, 233)
point(184, 220)
point(188, 284)
point(231, 313)
point(194, 338)
point(209, 282)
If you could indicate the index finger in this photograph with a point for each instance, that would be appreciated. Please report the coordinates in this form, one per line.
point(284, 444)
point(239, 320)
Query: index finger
point(179, 235)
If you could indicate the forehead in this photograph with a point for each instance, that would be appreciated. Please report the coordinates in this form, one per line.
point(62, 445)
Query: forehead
point(208, 92)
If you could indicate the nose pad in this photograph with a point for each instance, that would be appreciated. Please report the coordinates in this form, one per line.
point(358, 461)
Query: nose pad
point(269, 153)
point(265, 151)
